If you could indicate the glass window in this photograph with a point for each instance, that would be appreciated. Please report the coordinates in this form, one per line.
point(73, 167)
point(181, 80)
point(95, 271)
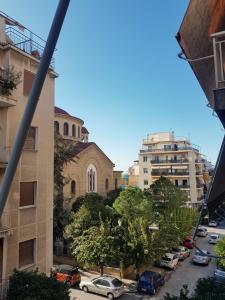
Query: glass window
point(27, 193)
point(145, 158)
point(145, 170)
point(73, 187)
point(106, 184)
point(66, 129)
point(74, 130)
point(26, 253)
point(105, 282)
point(56, 123)
point(30, 142)
point(145, 182)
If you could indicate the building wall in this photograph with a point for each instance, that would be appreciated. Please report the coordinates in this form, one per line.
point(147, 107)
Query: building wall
point(34, 222)
point(77, 171)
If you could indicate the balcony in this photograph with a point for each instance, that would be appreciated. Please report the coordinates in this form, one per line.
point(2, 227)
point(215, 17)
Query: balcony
point(170, 149)
point(169, 161)
point(169, 173)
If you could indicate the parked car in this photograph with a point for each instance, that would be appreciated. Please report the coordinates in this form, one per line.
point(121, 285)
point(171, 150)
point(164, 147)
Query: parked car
point(188, 242)
point(67, 274)
point(182, 252)
point(219, 275)
point(212, 223)
point(169, 260)
point(213, 238)
point(200, 258)
point(108, 286)
point(149, 282)
point(201, 232)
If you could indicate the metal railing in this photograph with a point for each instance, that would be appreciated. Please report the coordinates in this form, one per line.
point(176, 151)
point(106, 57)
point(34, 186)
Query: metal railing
point(218, 40)
point(27, 43)
point(168, 173)
point(169, 149)
point(167, 161)
point(4, 286)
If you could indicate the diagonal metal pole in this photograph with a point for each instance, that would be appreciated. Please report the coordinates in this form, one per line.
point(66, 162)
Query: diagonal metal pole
point(32, 101)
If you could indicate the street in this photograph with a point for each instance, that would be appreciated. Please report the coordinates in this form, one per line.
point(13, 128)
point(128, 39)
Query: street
point(185, 273)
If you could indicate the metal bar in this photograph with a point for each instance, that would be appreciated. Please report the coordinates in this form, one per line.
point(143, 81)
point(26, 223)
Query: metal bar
point(215, 62)
point(32, 101)
point(221, 62)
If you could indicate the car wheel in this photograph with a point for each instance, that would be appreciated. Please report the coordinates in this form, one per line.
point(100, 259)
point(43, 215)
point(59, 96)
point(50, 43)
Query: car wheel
point(110, 296)
point(85, 289)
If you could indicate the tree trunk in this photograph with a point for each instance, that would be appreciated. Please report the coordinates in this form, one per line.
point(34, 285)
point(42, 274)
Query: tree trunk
point(121, 269)
point(101, 268)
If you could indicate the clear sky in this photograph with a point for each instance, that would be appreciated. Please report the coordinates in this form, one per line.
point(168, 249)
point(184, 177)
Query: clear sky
point(120, 73)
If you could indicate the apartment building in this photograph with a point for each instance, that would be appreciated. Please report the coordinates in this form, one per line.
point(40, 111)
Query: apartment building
point(27, 221)
point(163, 154)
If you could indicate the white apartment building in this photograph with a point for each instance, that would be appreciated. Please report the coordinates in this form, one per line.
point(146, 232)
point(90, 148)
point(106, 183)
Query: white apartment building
point(163, 154)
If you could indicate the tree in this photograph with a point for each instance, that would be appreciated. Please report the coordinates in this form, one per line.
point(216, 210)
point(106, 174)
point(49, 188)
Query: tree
point(112, 196)
point(33, 286)
point(220, 251)
point(63, 154)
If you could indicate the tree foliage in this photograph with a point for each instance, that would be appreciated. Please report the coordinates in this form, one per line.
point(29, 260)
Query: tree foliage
point(220, 251)
point(33, 286)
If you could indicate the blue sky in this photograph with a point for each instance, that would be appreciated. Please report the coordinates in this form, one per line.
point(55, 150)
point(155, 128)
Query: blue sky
point(120, 73)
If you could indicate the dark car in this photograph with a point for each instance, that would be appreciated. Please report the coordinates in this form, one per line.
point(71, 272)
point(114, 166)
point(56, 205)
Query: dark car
point(149, 282)
point(67, 274)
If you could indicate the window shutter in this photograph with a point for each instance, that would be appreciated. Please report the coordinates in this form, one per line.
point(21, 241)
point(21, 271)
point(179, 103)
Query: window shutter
point(27, 193)
point(26, 253)
point(28, 79)
point(30, 139)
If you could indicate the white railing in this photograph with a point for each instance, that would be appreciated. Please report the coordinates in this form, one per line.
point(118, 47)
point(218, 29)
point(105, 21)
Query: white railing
point(218, 40)
point(4, 286)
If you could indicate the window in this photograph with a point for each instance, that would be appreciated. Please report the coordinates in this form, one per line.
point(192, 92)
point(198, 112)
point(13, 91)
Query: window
point(91, 179)
point(79, 131)
point(106, 184)
point(26, 253)
point(105, 282)
point(73, 130)
point(116, 184)
point(145, 158)
point(28, 79)
point(145, 182)
point(27, 193)
point(30, 142)
point(66, 129)
point(167, 147)
point(145, 170)
point(56, 124)
point(73, 187)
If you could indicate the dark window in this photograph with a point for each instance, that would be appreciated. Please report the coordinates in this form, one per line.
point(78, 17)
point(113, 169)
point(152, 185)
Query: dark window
point(30, 142)
point(56, 123)
point(28, 79)
point(145, 182)
point(116, 282)
point(116, 184)
point(104, 282)
point(74, 130)
point(26, 253)
point(107, 184)
point(145, 158)
point(73, 187)
point(66, 129)
point(27, 193)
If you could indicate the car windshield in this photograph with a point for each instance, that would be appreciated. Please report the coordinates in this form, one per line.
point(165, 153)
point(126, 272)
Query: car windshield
point(117, 283)
point(166, 258)
point(214, 237)
point(200, 253)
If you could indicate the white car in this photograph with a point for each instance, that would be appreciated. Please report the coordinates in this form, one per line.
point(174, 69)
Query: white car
point(213, 238)
point(202, 231)
point(108, 286)
point(212, 224)
point(169, 260)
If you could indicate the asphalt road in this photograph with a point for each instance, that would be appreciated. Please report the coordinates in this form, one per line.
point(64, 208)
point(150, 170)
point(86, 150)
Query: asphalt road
point(185, 273)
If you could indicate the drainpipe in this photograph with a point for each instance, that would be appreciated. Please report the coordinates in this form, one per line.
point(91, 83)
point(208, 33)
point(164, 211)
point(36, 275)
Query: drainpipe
point(32, 101)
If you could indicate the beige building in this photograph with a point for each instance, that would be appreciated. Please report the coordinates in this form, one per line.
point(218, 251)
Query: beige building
point(92, 170)
point(27, 221)
point(163, 154)
point(133, 173)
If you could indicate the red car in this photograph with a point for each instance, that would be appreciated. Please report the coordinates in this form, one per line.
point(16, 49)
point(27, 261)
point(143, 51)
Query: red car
point(66, 274)
point(188, 242)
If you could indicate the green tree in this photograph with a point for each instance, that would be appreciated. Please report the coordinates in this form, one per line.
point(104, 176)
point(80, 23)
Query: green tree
point(220, 251)
point(112, 196)
point(63, 154)
point(33, 286)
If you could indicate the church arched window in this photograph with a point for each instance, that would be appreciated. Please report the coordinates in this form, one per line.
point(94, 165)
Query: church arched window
point(91, 179)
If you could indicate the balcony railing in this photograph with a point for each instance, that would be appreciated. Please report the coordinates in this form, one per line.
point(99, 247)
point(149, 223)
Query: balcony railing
point(168, 161)
point(169, 173)
point(28, 42)
point(218, 53)
point(169, 150)
point(4, 286)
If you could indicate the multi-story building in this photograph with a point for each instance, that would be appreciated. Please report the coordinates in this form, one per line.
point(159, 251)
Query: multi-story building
point(163, 154)
point(27, 221)
point(133, 173)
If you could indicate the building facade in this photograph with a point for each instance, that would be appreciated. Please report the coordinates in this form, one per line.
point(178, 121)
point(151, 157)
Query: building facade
point(92, 170)
point(133, 173)
point(163, 154)
point(27, 221)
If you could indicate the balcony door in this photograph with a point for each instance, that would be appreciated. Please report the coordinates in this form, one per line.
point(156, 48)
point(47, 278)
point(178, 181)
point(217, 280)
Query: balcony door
point(1, 258)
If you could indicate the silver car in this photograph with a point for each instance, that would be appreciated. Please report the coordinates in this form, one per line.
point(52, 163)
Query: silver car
point(108, 286)
point(201, 258)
